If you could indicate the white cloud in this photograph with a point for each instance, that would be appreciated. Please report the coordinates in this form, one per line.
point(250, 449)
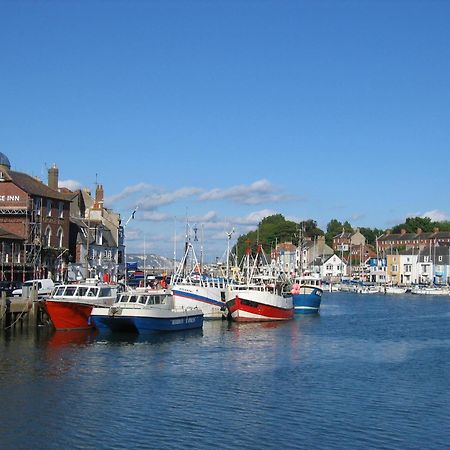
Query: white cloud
point(127, 192)
point(254, 217)
point(261, 191)
point(153, 216)
point(155, 200)
point(73, 185)
point(436, 216)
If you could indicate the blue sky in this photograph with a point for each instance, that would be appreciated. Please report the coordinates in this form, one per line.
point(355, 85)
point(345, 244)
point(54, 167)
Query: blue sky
point(228, 111)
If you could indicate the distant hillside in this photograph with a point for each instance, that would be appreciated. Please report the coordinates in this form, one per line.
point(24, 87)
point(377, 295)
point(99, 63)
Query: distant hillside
point(152, 261)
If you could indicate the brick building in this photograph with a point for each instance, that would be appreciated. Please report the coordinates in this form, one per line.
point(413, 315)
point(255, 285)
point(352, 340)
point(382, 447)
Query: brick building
point(36, 216)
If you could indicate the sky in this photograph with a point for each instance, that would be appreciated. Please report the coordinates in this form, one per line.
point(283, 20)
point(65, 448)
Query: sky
point(221, 113)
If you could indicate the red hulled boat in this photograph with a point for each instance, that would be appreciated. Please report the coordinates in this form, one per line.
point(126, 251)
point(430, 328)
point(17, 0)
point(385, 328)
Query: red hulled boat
point(69, 307)
point(257, 303)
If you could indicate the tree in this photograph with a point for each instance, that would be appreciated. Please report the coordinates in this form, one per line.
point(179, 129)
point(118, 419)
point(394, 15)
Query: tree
point(413, 223)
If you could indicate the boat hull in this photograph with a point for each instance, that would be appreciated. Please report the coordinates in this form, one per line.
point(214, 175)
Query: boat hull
point(259, 306)
point(68, 315)
point(308, 300)
point(139, 321)
point(210, 300)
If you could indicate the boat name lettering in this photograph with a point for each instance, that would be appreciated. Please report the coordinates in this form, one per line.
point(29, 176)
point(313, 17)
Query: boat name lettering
point(177, 321)
point(190, 319)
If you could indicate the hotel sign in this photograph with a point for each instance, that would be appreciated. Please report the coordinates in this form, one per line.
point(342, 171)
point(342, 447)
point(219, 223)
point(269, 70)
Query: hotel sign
point(9, 198)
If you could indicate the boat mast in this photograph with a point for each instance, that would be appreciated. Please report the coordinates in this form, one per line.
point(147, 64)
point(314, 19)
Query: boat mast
point(229, 234)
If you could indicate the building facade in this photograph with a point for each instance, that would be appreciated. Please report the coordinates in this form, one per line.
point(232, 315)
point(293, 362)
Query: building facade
point(38, 216)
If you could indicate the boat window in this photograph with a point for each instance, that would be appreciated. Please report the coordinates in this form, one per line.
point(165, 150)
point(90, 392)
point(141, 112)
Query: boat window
point(133, 299)
point(105, 292)
point(82, 291)
point(142, 299)
point(60, 290)
point(70, 290)
point(151, 300)
point(123, 298)
point(92, 292)
point(157, 300)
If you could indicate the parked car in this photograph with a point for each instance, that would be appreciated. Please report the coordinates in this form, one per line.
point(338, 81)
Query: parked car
point(44, 287)
point(9, 287)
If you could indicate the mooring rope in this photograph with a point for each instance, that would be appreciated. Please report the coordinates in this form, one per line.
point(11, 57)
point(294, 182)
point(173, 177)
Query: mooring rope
point(25, 308)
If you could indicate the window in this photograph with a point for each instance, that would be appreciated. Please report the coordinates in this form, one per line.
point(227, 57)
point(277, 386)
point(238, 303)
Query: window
point(49, 208)
point(48, 237)
point(61, 210)
point(82, 290)
point(60, 236)
point(37, 206)
point(99, 236)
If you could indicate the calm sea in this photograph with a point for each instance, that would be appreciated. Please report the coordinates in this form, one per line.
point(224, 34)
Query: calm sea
point(371, 372)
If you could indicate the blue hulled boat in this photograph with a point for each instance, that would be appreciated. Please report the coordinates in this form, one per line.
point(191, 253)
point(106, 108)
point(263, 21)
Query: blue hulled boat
point(307, 294)
point(146, 310)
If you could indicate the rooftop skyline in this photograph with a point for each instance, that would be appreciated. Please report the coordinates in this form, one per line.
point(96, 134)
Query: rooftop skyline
point(226, 112)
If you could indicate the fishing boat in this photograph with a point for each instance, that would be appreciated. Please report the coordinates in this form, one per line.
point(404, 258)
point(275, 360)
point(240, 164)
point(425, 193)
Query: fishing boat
point(69, 306)
point(258, 302)
point(264, 296)
point(192, 289)
point(146, 310)
point(307, 294)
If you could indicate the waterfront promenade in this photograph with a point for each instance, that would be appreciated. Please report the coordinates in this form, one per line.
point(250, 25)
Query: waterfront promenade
point(368, 372)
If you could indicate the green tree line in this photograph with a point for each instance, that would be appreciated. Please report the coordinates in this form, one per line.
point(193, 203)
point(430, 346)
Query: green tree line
point(275, 229)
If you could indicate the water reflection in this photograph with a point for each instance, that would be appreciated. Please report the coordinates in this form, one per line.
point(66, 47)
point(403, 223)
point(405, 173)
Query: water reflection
point(106, 337)
point(71, 338)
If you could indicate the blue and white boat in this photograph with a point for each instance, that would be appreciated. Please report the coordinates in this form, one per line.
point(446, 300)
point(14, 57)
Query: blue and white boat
point(146, 310)
point(307, 294)
point(192, 289)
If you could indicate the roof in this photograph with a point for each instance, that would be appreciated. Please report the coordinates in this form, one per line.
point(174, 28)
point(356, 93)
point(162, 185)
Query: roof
point(33, 186)
point(346, 235)
point(287, 247)
point(414, 236)
point(4, 234)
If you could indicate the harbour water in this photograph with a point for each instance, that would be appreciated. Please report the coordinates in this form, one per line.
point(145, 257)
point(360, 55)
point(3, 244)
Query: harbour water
point(370, 372)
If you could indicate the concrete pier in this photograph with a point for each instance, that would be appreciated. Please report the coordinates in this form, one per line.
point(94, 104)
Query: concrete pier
point(22, 312)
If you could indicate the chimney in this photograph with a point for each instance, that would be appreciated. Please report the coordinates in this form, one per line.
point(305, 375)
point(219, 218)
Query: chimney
point(402, 231)
point(98, 202)
point(419, 230)
point(53, 177)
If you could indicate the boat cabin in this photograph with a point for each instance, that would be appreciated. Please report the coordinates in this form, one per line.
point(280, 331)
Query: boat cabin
point(84, 291)
point(129, 299)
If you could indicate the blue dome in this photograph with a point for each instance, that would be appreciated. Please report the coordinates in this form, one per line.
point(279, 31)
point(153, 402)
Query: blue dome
point(4, 161)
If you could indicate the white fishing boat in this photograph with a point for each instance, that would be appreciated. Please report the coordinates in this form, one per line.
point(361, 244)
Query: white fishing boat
point(430, 290)
point(146, 310)
point(193, 289)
